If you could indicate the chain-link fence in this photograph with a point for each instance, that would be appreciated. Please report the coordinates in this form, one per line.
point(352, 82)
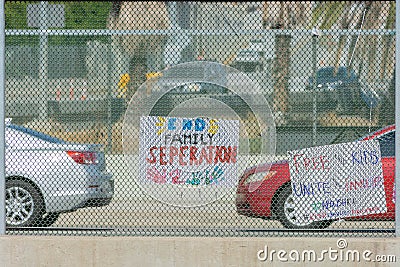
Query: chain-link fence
point(191, 118)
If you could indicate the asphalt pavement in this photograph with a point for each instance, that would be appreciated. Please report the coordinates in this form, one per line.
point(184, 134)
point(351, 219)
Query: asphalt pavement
point(133, 212)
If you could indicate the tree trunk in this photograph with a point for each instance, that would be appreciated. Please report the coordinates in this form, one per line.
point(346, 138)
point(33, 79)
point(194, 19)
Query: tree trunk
point(281, 73)
point(284, 15)
point(139, 16)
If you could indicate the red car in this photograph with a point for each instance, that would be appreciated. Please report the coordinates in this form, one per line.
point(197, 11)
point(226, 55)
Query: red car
point(264, 191)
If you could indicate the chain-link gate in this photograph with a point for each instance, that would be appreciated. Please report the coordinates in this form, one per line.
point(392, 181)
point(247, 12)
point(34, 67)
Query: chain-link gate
point(192, 118)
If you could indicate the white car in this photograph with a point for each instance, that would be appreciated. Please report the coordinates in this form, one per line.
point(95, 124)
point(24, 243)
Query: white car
point(46, 176)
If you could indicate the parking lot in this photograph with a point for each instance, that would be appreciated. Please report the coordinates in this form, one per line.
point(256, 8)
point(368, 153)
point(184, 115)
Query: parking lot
point(133, 212)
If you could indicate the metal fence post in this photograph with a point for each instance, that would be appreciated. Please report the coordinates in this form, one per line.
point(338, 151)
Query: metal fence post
point(109, 94)
point(2, 121)
point(397, 118)
point(43, 85)
point(314, 47)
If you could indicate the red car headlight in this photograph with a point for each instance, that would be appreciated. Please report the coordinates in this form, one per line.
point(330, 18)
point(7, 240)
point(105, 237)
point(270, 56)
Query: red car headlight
point(260, 176)
point(255, 180)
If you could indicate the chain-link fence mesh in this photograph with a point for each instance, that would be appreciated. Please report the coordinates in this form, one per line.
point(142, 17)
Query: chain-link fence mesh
point(192, 118)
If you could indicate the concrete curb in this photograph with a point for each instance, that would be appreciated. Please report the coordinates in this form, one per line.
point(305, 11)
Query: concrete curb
point(195, 251)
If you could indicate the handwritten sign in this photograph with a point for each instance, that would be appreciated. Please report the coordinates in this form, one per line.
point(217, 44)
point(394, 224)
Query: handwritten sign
point(337, 181)
point(188, 151)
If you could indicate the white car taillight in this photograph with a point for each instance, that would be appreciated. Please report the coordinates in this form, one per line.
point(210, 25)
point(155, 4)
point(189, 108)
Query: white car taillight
point(83, 157)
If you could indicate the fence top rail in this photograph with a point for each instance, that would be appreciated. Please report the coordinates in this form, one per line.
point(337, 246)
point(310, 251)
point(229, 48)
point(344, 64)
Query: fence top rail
point(107, 32)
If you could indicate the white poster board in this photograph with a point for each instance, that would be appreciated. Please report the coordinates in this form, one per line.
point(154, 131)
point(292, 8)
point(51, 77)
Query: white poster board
point(337, 181)
point(186, 161)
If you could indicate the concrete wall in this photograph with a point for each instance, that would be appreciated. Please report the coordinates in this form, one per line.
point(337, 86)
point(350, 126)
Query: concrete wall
point(187, 251)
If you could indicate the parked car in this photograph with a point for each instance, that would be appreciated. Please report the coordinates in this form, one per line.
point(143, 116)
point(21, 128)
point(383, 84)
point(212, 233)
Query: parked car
point(249, 61)
point(265, 191)
point(46, 176)
point(338, 89)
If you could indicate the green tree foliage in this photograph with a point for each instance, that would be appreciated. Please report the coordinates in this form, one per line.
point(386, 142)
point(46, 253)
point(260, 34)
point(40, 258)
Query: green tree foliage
point(15, 15)
point(15, 18)
point(78, 15)
point(86, 15)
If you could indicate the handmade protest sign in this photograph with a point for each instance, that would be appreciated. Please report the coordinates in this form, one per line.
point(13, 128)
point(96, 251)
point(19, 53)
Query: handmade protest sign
point(189, 154)
point(164, 159)
point(337, 181)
